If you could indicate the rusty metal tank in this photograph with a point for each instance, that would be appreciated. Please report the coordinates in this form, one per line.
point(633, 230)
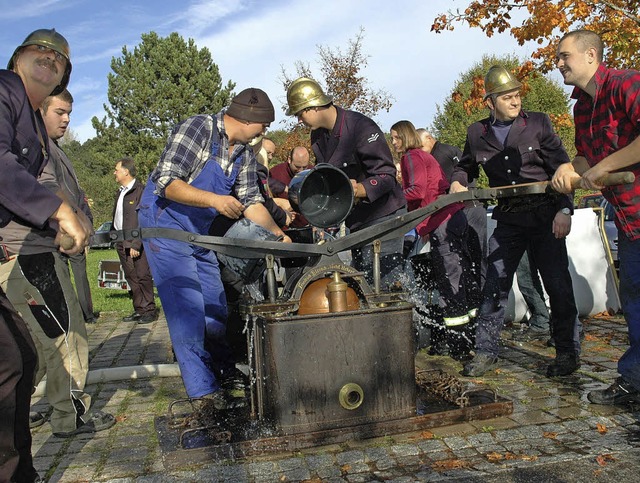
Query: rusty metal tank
point(327, 371)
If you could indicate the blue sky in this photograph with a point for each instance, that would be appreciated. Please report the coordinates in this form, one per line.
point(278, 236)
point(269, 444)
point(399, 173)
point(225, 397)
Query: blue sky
point(252, 40)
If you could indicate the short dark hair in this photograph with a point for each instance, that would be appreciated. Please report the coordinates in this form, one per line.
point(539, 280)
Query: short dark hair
point(128, 164)
point(64, 96)
point(587, 39)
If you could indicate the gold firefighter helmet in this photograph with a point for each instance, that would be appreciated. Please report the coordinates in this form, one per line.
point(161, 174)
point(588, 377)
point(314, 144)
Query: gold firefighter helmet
point(498, 81)
point(304, 92)
point(53, 40)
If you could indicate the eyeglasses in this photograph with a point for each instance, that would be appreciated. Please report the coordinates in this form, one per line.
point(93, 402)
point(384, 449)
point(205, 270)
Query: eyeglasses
point(59, 57)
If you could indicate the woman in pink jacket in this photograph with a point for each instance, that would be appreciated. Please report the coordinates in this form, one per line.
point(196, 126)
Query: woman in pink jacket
point(454, 273)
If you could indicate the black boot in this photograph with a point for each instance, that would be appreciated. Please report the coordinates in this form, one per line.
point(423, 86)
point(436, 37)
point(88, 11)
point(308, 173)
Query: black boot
point(566, 363)
point(438, 342)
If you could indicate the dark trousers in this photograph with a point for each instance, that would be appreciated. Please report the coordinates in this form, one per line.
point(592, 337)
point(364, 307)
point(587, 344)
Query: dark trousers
point(507, 245)
point(138, 275)
point(17, 368)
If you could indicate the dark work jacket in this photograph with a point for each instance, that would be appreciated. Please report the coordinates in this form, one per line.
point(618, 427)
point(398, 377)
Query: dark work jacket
point(448, 157)
point(533, 152)
point(130, 213)
point(21, 158)
point(358, 147)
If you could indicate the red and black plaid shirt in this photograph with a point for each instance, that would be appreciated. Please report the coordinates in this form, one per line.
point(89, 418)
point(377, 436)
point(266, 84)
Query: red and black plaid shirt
point(606, 125)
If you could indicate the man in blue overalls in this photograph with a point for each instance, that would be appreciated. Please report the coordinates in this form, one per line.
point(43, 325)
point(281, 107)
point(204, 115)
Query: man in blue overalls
point(206, 169)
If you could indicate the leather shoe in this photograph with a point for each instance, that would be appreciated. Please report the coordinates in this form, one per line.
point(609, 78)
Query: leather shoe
point(36, 419)
point(480, 364)
point(148, 318)
point(564, 365)
point(620, 392)
point(132, 318)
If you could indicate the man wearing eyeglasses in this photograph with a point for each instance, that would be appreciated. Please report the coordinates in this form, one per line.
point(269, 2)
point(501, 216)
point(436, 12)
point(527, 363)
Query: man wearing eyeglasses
point(39, 67)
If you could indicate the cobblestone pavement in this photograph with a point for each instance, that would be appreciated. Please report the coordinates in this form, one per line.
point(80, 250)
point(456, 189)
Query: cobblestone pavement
point(554, 434)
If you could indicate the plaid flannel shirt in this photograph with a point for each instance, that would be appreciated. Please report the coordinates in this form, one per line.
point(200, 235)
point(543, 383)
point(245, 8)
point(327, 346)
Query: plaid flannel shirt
point(606, 124)
point(188, 149)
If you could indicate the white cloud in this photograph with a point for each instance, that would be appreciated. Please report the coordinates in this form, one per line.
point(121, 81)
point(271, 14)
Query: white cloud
point(252, 40)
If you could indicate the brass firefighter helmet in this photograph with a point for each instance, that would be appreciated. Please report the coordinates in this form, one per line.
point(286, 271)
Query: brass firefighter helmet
point(303, 93)
point(53, 40)
point(498, 81)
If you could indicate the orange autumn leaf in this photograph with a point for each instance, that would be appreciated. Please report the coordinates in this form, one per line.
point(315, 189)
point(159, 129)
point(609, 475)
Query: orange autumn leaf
point(527, 457)
point(550, 435)
point(604, 458)
point(494, 456)
point(427, 435)
point(444, 465)
point(602, 429)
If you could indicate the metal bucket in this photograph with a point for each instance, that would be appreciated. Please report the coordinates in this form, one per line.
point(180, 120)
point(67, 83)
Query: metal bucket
point(322, 194)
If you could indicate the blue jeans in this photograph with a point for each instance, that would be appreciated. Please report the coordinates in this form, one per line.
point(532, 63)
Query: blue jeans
point(629, 255)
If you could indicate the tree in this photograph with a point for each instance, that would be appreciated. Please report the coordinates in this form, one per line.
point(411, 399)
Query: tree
point(342, 79)
point(616, 21)
point(152, 88)
point(541, 94)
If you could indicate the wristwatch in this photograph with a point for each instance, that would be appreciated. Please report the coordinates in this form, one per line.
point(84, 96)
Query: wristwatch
point(565, 211)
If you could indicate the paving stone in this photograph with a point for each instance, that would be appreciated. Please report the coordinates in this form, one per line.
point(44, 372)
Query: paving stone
point(481, 439)
point(465, 453)
point(431, 445)
point(403, 450)
point(350, 457)
point(457, 442)
point(328, 472)
point(295, 474)
point(319, 461)
point(504, 435)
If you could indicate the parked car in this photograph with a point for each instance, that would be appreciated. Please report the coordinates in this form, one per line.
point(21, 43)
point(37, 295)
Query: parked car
point(106, 227)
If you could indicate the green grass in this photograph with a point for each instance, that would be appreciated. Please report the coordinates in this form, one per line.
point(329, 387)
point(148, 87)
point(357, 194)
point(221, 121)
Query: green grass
point(105, 299)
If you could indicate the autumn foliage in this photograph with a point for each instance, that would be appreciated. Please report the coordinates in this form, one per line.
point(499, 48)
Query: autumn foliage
point(545, 21)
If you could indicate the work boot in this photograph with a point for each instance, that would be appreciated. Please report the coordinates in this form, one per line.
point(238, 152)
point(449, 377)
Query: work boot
point(480, 364)
point(438, 345)
point(235, 383)
point(565, 363)
point(620, 392)
point(36, 419)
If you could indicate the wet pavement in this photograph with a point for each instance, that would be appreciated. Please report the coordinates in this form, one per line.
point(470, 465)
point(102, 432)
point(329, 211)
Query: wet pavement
point(554, 434)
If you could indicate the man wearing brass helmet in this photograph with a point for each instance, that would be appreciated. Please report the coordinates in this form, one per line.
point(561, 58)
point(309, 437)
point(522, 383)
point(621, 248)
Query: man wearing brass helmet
point(355, 144)
point(514, 147)
point(39, 67)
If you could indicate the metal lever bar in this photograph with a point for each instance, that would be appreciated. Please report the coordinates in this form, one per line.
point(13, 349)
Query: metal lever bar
point(394, 227)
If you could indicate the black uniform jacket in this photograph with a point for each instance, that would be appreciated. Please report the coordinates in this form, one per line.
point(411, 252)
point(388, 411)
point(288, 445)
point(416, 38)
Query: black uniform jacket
point(21, 157)
point(532, 152)
point(358, 147)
